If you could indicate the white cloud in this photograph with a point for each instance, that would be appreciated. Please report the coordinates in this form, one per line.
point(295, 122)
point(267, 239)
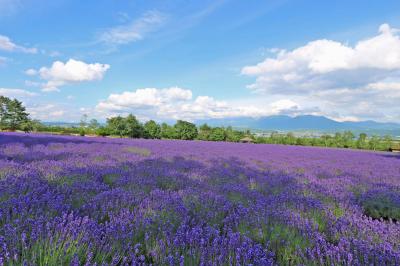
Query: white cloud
point(144, 98)
point(178, 103)
point(31, 72)
point(72, 71)
point(7, 45)
point(335, 76)
point(135, 30)
point(325, 64)
point(16, 93)
point(46, 112)
point(284, 105)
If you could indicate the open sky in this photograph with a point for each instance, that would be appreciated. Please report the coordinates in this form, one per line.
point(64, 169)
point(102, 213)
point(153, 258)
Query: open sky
point(188, 59)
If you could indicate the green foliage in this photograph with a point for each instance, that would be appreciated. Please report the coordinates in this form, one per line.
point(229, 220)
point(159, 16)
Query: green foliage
point(13, 114)
point(204, 132)
point(382, 205)
point(102, 131)
point(152, 130)
point(220, 134)
point(58, 251)
point(338, 140)
point(116, 125)
point(284, 240)
point(133, 128)
point(94, 124)
point(168, 132)
point(217, 134)
point(83, 122)
point(128, 126)
point(185, 130)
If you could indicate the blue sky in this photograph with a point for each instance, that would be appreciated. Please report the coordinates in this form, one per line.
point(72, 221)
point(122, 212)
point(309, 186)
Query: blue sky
point(201, 59)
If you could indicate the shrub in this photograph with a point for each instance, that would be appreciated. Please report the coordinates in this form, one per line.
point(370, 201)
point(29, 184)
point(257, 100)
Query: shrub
point(381, 203)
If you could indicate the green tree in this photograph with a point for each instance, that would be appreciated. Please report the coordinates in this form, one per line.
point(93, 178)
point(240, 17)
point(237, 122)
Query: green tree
point(185, 130)
point(338, 139)
point(133, 128)
point(94, 124)
point(373, 143)
point(116, 125)
point(83, 122)
point(83, 125)
point(289, 139)
point(233, 135)
point(326, 139)
point(348, 138)
point(152, 130)
point(218, 134)
point(361, 141)
point(4, 102)
point(387, 143)
point(168, 132)
point(12, 114)
point(103, 131)
point(204, 132)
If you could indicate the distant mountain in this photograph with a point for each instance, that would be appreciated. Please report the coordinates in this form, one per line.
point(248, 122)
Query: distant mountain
point(304, 123)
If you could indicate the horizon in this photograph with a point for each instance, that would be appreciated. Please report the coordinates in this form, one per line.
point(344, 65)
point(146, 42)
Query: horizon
point(193, 61)
point(202, 121)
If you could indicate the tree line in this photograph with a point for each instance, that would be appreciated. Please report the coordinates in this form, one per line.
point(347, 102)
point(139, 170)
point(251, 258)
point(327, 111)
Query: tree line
point(345, 139)
point(130, 126)
point(13, 116)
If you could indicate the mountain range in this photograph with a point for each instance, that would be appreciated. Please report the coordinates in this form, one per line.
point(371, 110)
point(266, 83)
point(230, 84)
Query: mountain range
point(304, 123)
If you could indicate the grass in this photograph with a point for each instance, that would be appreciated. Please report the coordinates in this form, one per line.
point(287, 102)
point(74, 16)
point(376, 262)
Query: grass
point(282, 239)
point(56, 251)
point(110, 179)
point(139, 151)
point(68, 180)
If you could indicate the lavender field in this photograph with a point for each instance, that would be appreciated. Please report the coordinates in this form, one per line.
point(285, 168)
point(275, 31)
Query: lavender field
point(100, 201)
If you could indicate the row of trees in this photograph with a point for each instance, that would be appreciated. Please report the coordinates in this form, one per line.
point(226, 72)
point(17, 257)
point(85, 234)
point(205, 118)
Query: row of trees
point(346, 139)
point(131, 127)
point(13, 116)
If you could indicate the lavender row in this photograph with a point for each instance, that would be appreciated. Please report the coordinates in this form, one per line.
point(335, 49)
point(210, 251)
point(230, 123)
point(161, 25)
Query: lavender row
point(101, 201)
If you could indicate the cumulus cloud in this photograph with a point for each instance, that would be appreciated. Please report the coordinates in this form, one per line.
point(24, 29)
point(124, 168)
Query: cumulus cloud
point(336, 76)
point(16, 93)
point(178, 103)
point(46, 112)
point(7, 45)
point(144, 98)
point(135, 30)
point(73, 71)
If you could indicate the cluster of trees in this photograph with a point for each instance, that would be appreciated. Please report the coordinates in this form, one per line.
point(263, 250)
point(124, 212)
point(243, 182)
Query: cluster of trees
point(346, 139)
point(222, 134)
point(131, 127)
point(13, 115)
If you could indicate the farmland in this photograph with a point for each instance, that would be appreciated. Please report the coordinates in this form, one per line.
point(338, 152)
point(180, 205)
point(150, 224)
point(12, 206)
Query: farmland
point(86, 201)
